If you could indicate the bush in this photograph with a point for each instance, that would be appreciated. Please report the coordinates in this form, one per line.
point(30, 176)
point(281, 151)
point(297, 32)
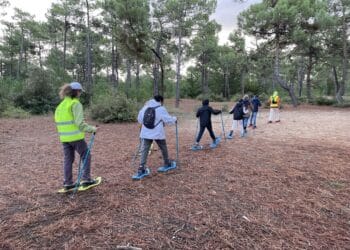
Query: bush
point(114, 108)
point(324, 101)
point(3, 102)
point(15, 112)
point(9, 89)
point(38, 96)
point(212, 97)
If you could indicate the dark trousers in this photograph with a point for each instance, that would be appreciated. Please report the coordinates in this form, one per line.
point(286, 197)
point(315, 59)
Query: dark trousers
point(201, 131)
point(69, 149)
point(146, 144)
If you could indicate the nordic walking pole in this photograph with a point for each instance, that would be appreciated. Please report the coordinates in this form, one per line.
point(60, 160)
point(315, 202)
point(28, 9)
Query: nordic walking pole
point(85, 158)
point(197, 126)
point(136, 153)
point(223, 127)
point(177, 144)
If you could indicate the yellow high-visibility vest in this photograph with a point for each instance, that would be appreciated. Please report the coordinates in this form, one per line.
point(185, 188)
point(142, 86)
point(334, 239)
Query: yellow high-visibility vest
point(68, 131)
point(274, 100)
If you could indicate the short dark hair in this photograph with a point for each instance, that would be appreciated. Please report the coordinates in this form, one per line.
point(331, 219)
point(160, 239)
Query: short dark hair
point(158, 98)
point(205, 102)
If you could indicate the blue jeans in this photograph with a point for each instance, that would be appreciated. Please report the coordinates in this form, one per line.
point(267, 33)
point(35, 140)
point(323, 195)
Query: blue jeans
point(253, 118)
point(245, 122)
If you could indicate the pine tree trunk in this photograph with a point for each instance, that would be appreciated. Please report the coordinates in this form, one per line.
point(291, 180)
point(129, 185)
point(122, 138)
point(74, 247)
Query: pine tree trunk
point(66, 26)
point(88, 55)
point(283, 83)
point(341, 90)
point(178, 71)
point(113, 76)
point(308, 79)
point(20, 56)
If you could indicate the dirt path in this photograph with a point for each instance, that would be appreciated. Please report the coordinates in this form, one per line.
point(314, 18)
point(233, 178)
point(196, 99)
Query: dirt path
point(285, 186)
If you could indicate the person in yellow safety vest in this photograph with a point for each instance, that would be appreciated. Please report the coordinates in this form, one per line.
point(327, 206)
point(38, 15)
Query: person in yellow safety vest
point(275, 103)
point(71, 127)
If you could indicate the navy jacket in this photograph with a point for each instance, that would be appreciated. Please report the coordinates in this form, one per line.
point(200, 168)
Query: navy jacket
point(204, 114)
point(256, 104)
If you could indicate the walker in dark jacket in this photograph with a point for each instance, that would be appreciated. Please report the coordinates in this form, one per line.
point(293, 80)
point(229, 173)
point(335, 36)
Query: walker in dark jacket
point(256, 104)
point(204, 114)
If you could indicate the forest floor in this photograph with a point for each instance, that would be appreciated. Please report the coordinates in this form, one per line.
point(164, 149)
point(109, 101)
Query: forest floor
point(285, 186)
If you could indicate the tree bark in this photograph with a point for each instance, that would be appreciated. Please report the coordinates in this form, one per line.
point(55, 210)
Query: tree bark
point(341, 90)
point(283, 83)
point(20, 56)
point(137, 74)
point(301, 75)
point(66, 26)
point(227, 85)
point(113, 76)
point(128, 76)
point(88, 77)
point(178, 70)
point(308, 78)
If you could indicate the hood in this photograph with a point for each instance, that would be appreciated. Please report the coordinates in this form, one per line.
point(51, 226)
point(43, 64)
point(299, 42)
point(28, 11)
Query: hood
point(153, 103)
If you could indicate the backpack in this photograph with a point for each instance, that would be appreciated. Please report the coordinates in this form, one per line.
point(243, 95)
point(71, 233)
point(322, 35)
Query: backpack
point(238, 112)
point(149, 117)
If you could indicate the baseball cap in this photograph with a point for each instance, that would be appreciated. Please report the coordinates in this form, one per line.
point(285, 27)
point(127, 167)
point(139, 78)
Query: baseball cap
point(76, 85)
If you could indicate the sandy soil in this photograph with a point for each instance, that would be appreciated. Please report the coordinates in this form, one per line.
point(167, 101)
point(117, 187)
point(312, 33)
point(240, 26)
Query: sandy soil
point(285, 186)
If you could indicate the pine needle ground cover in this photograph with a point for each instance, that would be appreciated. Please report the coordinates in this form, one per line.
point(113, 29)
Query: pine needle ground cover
point(285, 186)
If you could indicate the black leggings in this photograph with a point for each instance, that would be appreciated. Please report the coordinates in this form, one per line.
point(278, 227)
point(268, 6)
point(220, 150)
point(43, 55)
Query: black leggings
point(201, 131)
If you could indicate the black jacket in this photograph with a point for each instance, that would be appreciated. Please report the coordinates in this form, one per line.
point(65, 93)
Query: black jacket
point(256, 104)
point(237, 110)
point(204, 114)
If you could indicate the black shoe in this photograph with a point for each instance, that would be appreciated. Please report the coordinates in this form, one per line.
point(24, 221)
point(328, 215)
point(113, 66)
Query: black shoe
point(70, 186)
point(87, 183)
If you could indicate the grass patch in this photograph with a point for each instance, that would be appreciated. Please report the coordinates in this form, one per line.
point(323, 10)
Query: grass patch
point(337, 184)
point(15, 112)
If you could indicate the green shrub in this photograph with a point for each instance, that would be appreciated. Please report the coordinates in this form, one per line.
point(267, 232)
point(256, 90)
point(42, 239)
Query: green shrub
point(3, 102)
point(252, 87)
point(324, 101)
point(236, 97)
point(15, 112)
point(114, 108)
point(38, 95)
point(211, 96)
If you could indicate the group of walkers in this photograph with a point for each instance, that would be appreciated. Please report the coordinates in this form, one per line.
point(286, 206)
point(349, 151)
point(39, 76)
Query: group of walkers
point(153, 117)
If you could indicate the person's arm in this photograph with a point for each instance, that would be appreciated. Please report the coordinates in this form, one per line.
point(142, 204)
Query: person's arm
point(245, 109)
point(165, 117)
point(140, 115)
point(215, 111)
point(259, 103)
point(233, 109)
point(198, 113)
point(78, 115)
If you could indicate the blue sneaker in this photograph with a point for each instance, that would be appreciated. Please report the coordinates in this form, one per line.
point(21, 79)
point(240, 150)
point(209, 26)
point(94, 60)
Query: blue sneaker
point(167, 168)
point(196, 147)
point(141, 173)
point(229, 137)
point(213, 145)
point(217, 140)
